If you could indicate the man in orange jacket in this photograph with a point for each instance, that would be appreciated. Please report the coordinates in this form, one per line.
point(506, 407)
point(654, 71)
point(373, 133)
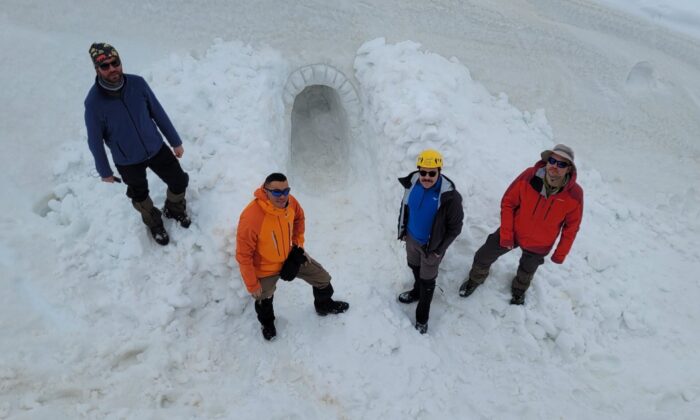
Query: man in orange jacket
point(542, 203)
point(269, 246)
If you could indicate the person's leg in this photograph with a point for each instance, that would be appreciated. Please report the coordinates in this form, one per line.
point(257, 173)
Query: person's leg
point(313, 273)
point(428, 274)
point(166, 166)
point(489, 252)
point(264, 308)
point(529, 262)
point(425, 298)
point(412, 295)
point(134, 176)
point(413, 258)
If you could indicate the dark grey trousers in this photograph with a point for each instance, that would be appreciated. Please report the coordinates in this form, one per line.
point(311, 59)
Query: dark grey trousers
point(491, 250)
point(416, 257)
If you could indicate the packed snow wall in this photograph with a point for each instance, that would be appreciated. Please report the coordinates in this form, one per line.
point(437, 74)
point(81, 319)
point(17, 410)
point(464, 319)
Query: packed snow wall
point(323, 113)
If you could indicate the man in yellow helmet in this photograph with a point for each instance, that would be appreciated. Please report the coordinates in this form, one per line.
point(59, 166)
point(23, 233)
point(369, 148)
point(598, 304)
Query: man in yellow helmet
point(429, 220)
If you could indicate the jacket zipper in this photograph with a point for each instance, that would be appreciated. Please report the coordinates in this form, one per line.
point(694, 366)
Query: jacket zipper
point(539, 197)
point(282, 232)
point(432, 227)
point(122, 151)
point(135, 126)
point(548, 209)
point(274, 239)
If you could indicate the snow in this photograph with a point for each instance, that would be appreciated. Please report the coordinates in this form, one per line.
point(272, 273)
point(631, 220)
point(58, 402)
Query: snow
point(98, 321)
point(677, 15)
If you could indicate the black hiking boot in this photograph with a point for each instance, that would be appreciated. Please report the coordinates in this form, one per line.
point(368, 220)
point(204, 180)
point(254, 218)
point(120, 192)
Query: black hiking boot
point(518, 297)
point(332, 307)
point(427, 289)
point(409, 296)
point(182, 218)
point(269, 332)
point(160, 235)
point(325, 305)
point(467, 288)
point(150, 216)
point(266, 315)
point(414, 294)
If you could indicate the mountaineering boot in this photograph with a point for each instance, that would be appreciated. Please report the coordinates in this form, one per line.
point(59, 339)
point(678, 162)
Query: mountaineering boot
point(409, 296)
point(467, 288)
point(477, 276)
point(412, 295)
point(151, 218)
point(518, 296)
point(266, 316)
point(269, 331)
point(176, 208)
point(427, 288)
point(325, 305)
point(520, 284)
point(160, 235)
point(517, 299)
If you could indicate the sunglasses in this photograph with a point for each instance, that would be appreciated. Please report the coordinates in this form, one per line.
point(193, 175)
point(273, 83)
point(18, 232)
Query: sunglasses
point(560, 164)
point(105, 66)
point(279, 193)
point(427, 173)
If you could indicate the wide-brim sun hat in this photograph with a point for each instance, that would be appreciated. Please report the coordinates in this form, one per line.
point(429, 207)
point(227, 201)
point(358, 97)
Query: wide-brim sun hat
point(563, 151)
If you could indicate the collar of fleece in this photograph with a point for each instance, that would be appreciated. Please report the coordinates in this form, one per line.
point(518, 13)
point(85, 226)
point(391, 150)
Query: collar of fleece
point(110, 87)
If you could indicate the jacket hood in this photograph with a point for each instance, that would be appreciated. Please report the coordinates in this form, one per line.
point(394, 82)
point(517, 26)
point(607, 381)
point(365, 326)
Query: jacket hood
point(265, 203)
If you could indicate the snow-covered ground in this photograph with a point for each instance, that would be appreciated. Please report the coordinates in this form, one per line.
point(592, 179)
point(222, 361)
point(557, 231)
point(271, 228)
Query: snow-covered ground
point(97, 321)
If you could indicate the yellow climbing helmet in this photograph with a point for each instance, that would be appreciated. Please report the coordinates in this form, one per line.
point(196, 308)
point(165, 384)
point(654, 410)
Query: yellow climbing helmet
point(429, 158)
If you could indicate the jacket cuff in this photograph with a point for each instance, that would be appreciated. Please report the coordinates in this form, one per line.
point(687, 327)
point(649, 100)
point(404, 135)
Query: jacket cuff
point(558, 259)
point(506, 243)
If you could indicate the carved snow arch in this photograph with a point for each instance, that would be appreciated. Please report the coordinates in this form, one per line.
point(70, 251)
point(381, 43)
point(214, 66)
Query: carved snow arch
point(325, 75)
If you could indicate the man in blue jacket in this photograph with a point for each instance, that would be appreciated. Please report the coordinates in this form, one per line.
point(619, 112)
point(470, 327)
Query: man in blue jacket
point(430, 219)
point(122, 112)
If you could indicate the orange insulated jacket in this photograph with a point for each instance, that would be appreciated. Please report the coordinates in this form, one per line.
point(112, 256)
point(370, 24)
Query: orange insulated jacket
point(265, 236)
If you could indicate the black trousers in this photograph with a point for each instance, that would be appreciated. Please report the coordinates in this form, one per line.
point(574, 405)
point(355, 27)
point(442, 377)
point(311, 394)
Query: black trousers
point(164, 164)
point(491, 250)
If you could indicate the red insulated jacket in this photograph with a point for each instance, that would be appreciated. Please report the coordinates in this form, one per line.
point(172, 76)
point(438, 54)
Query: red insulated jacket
point(533, 222)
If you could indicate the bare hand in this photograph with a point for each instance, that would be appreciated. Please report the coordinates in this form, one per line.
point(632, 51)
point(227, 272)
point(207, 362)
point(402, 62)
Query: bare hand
point(109, 179)
point(179, 151)
point(257, 293)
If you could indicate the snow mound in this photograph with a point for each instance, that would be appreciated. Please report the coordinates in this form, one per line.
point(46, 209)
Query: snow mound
point(642, 76)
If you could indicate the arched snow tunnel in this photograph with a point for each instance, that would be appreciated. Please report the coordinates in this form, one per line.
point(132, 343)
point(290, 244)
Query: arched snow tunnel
point(324, 110)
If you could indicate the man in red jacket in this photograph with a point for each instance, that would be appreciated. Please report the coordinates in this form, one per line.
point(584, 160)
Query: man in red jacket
point(541, 203)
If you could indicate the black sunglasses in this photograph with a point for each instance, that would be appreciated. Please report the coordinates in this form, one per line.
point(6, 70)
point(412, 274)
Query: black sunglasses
point(104, 66)
point(560, 163)
point(427, 173)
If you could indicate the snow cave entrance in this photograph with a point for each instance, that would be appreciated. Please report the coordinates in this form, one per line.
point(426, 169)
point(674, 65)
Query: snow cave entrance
point(323, 109)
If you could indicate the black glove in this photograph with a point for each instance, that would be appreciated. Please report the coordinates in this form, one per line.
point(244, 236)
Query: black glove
point(291, 265)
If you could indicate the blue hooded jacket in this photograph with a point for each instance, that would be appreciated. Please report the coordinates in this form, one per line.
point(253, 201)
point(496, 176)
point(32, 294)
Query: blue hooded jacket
point(127, 122)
